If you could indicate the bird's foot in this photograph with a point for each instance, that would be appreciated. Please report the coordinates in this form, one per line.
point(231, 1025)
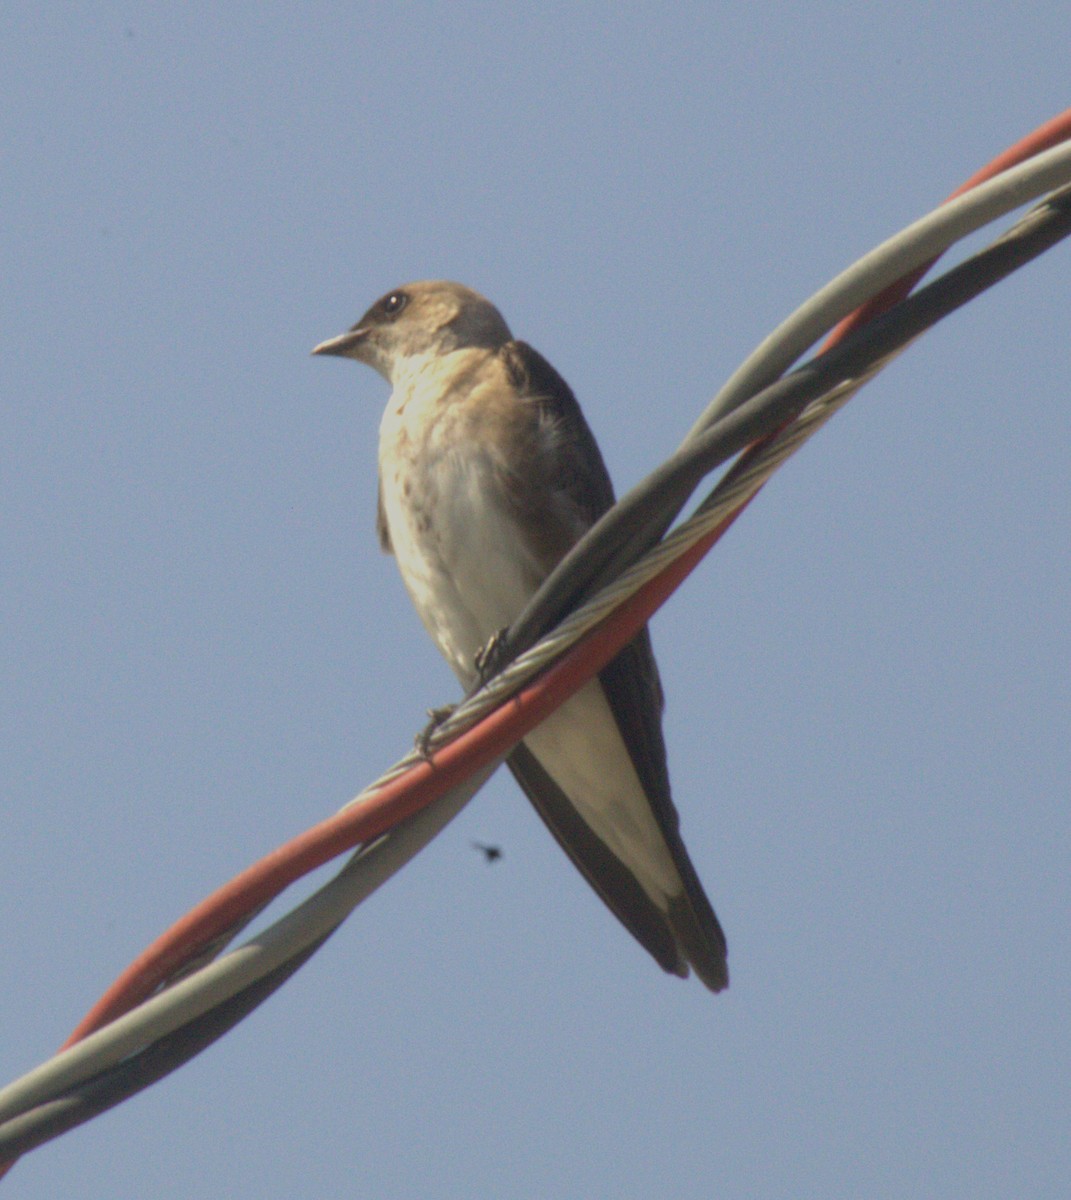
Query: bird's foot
point(488, 661)
point(422, 741)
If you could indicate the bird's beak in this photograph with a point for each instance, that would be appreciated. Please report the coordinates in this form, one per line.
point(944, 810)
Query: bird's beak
point(345, 345)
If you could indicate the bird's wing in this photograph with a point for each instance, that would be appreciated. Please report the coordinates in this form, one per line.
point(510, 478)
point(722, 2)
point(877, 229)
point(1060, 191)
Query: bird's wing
point(575, 468)
point(610, 878)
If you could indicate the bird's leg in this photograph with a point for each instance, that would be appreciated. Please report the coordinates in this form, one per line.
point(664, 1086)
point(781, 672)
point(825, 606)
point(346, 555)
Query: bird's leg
point(437, 716)
point(488, 661)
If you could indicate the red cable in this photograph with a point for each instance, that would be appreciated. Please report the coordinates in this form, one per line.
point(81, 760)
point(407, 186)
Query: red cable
point(395, 801)
point(494, 735)
point(1052, 133)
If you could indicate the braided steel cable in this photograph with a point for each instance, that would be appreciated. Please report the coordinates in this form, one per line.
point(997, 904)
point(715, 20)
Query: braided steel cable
point(193, 1007)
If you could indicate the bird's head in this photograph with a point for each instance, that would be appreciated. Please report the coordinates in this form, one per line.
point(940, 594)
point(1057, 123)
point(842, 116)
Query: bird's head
point(420, 320)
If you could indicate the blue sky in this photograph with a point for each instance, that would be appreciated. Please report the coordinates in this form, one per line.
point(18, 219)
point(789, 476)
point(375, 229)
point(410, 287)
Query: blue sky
point(204, 651)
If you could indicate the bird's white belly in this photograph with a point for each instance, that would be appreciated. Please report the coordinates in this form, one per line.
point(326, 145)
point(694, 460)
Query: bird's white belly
point(461, 557)
point(466, 568)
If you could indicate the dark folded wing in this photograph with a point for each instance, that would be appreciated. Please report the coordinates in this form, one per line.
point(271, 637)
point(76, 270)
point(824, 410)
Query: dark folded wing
point(572, 469)
point(608, 876)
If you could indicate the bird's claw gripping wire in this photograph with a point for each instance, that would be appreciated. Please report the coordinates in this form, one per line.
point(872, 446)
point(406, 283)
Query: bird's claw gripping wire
point(488, 661)
point(436, 716)
point(490, 658)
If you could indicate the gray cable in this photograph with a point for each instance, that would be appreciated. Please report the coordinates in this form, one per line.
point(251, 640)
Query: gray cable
point(367, 870)
point(917, 244)
point(372, 865)
point(921, 241)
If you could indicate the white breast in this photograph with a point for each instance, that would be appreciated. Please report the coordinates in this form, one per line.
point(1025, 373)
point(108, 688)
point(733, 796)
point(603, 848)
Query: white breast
point(463, 560)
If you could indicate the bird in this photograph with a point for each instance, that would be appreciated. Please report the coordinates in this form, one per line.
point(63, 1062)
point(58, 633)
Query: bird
point(488, 475)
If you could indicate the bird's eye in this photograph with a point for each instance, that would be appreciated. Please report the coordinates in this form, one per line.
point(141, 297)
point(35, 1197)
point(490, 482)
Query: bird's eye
point(393, 304)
